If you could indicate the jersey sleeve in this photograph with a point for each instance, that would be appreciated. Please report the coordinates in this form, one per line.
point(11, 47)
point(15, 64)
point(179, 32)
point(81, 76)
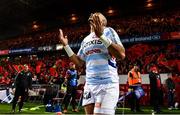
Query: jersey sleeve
point(81, 53)
point(114, 37)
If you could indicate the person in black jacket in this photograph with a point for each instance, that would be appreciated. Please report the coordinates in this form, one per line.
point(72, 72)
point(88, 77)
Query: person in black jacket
point(170, 85)
point(23, 82)
point(155, 89)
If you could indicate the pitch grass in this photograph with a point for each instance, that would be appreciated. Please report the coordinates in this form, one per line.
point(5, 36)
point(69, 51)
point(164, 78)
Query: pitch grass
point(38, 108)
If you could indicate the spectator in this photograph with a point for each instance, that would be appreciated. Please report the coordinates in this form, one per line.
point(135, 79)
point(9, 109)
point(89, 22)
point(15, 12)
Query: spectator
point(170, 85)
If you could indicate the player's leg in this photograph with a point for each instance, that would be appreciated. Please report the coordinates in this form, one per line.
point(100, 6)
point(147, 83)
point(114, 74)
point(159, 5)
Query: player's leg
point(89, 109)
point(88, 99)
point(109, 100)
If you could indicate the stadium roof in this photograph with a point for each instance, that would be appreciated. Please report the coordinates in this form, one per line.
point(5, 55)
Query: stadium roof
point(21, 16)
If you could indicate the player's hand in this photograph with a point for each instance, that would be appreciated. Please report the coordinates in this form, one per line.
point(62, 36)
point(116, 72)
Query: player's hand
point(97, 25)
point(63, 39)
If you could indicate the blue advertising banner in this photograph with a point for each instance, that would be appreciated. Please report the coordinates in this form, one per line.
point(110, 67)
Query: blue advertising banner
point(140, 39)
point(22, 50)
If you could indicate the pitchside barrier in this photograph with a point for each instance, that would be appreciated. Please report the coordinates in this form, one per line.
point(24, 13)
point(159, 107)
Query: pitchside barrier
point(40, 93)
point(6, 94)
point(43, 92)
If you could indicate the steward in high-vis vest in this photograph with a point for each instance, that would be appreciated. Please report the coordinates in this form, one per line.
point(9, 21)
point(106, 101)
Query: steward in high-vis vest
point(134, 82)
point(134, 77)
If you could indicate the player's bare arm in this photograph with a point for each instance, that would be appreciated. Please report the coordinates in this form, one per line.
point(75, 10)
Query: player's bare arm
point(116, 50)
point(73, 57)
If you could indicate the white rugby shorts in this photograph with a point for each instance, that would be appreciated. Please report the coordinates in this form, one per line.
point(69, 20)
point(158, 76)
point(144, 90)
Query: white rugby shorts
point(104, 96)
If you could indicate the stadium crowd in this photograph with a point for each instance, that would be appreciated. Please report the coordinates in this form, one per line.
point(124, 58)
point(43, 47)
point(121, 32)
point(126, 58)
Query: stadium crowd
point(164, 56)
point(126, 26)
point(48, 69)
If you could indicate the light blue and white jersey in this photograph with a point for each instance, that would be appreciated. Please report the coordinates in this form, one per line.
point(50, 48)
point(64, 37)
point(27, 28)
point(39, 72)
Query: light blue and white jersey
point(100, 65)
